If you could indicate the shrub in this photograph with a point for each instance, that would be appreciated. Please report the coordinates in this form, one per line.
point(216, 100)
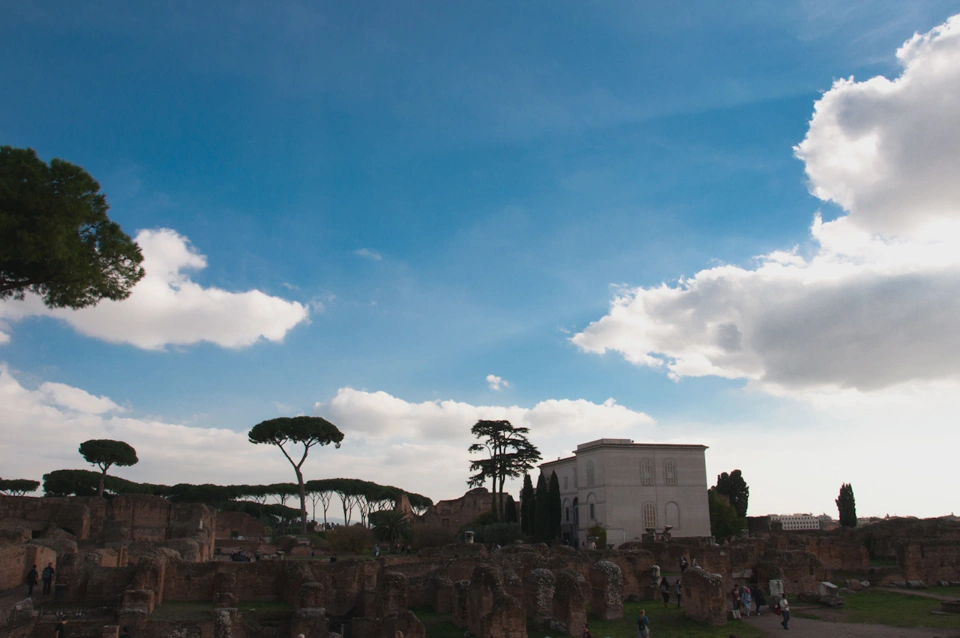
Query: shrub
point(600, 532)
point(498, 533)
point(352, 539)
point(432, 536)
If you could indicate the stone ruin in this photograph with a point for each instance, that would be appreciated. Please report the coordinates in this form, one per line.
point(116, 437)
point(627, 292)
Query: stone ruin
point(144, 554)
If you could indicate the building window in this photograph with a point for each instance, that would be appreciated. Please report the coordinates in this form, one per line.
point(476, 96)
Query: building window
point(649, 516)
point(672, 515)
point(590, 474)
point(565, 485)
point(669, 472)
point(593, 513)
point(566, 511)
point(646, 472)
point(592, 506)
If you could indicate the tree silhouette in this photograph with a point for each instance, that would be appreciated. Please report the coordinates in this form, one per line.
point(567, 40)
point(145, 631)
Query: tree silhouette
point(105, 453)
point(847, 505)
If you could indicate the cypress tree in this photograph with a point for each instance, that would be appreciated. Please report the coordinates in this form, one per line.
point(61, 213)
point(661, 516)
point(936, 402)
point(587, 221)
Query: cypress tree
point(528, 502)
point(541, 518)
point(509, 509)
point(554, 507)
point(847, 506)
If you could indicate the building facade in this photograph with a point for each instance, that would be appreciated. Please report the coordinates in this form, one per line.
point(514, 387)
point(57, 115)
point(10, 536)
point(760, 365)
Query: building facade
point(796, 522)
point(632, 488)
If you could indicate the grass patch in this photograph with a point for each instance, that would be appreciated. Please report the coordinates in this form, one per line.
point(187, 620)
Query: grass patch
point(883, 562)
point(953, 592)
point(663, 622)
point(265, 605)
point(182, 610)
point(894, 610)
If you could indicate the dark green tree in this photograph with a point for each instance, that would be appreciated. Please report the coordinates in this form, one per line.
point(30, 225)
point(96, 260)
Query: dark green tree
point(528, 507)
point(724, 521)
point(554, 507)
point(55, 237)
point(18, 487)
point(510, 454)
point(509, 509)
point(847, 506)
point(736, 489)
point(291, 431)
point(541, 517)
point(105, 453)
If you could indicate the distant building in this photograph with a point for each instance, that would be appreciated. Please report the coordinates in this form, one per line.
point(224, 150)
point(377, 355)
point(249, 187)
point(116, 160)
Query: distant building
point(796, 522)
point(631, 488)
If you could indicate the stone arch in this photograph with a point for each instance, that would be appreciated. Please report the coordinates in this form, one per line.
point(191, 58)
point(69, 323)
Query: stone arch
point(672, 515)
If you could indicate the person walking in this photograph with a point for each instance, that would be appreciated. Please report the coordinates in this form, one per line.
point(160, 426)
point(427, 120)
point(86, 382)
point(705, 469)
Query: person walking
point(784, 605)
point(60, 629)
point(665, 590)
point(586, 631)
point(758, 598)
point(683, 564)
point(47, 576)
point(735, 596)
point(678, 590)
point(643, 625)
point(746, 600)
point(33, 577)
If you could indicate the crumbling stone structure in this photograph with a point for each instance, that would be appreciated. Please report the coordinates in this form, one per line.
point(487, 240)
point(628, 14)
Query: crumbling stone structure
point(704, 599)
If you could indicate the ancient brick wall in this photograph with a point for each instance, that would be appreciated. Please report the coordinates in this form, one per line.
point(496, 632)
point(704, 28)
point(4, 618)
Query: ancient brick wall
point(929, 560)
point(37, 514)
point(240, 523)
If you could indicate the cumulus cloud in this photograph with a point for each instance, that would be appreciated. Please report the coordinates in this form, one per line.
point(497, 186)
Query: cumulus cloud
point(497, 383)
point(418, 446)
point(874, 301)
point(167, 308)
point(366, 253)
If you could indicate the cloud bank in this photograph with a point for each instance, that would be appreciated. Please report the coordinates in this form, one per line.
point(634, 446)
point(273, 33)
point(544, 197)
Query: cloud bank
point(874, 301)
point(167, 308)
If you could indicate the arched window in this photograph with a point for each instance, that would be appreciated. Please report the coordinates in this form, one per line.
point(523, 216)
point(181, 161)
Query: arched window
point(669, 472)
point(672, 515)
point(576, 513)
point(566, 510)
point(646, 472)
point(649, 516)
point(590, 474)
point(592, 504)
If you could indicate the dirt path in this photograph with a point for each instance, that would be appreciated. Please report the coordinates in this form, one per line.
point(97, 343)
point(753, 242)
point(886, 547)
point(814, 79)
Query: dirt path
point(769, 624)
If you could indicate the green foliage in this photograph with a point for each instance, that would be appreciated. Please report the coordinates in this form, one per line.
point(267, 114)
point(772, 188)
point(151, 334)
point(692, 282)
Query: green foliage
point(105, 453)
point(892, 609)
point(498, 533)
point(55, 237)
point(350, 539)
point(509, 455)
point(554, 507)
point(541, 517)
point(510, 510)
point(299, 430)
point(724, 521)
point(600, 532)
point(736, 489)
point(528, 506)
point(847, 505)
point(392, 526)
point(18, 487)
point(487, 518)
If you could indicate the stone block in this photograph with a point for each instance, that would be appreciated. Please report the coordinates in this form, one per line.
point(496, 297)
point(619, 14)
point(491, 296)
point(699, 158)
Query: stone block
point(539, 586)
point(606, 586)
point(311, 622)
point(916, 584)
point(704, 599)
point(854, 585)
point(138, 601)
point(827, 589)
point(110, 631)
point(569, 602)
point(950, 606)
point(391, 594)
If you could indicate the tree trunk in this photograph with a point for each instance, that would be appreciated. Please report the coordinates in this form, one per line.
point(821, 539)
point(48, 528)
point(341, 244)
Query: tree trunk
point(100, 488)
point(303, 503)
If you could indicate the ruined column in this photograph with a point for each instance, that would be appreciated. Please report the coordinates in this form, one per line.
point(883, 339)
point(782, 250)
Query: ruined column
point(703, 597)
point(606, 586)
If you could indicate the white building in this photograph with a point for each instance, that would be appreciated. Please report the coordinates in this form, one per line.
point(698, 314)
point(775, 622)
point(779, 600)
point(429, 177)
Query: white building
point(630, 488)
point(797, 522)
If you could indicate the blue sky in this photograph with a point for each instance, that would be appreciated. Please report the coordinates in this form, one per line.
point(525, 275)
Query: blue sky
point(432, 193)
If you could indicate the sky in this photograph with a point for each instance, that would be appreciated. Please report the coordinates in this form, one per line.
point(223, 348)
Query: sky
point(732, 224)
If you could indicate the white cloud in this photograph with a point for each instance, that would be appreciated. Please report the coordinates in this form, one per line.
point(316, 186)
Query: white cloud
point(497, 383)
point(368, 254)
point(78, 400)
point(875, 301)
point(422, 446)
point(167, 308)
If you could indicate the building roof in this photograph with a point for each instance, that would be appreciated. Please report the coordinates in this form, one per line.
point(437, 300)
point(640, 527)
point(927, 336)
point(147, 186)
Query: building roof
point(623, 443)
